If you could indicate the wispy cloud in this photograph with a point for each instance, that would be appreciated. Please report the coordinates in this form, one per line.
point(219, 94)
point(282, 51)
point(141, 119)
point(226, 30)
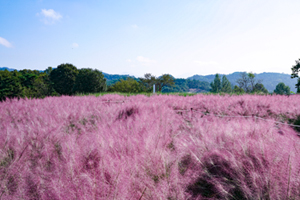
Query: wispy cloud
point(145, 60)
point(75, 45)
point(134, 26)
point(128, 60)
point(49, 16)
point(5, 43)
point(205, 62)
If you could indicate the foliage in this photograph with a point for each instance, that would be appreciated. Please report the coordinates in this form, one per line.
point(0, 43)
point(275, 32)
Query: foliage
point(295, 74)
point(220, 86)
point(259, 88)
point(281, 88)
point(226, 85)
point(185, 85)
point(216, 85)
point(10, 85)
point(89, 81)
point(165, 80)
point(158, 147)
point(238, 90)
point(147, 82)
point(249, 84)
point(36, 84)
point(25, 83)
point(129, 85)
point(63, 78)
point(270, 80)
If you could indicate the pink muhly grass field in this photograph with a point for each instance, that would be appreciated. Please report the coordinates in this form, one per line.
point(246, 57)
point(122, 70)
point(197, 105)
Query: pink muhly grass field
point(158, 147)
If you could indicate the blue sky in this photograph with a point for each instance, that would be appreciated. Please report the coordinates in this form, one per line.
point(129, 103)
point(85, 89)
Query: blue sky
point(135, 37)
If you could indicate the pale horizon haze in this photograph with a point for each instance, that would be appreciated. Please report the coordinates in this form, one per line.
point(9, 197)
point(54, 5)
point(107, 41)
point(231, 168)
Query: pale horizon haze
point(134, 37)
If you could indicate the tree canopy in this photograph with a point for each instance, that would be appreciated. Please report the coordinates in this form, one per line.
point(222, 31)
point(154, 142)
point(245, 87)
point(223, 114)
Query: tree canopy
point(216, 85)
point(63, 78)
point(89, 81)
point(226, 85)
point(220, 86)
point(249, 84)
point(295, 74)
point(281, 88)
point(129, 86)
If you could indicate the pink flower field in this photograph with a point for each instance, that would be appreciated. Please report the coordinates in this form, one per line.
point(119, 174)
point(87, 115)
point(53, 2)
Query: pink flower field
point(158, 147)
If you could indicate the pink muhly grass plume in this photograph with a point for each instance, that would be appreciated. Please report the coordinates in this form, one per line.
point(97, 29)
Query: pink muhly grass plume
point(158, 147)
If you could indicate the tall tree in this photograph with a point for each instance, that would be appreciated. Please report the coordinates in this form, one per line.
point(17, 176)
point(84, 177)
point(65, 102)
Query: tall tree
point(247, 82)
point(63, 78)
point(252, 81)
point(147, 82)
point(281, 88)
point(89, 81)
point(165, 80)
point(295, 74)
point(243, 82)
point(216, 84)
point(226, 85)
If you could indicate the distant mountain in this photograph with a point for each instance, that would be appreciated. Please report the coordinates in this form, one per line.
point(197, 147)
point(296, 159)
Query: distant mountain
point(4, 68)
point(268, 79)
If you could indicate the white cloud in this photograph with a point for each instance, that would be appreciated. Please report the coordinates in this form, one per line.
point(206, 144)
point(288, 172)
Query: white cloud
point(145, 60)
point(128, 60)
point(5, 43)
point(75, 45)
point(205, 62)
point(134, 26)
point(49, 16)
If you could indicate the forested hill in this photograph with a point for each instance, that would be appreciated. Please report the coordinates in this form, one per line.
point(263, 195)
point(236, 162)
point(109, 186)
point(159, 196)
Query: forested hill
point(268, 79)
point(112, 78)
point(4, 68)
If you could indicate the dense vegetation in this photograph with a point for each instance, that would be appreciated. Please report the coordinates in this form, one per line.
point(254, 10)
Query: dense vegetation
point(158, 147)
point(66, 79)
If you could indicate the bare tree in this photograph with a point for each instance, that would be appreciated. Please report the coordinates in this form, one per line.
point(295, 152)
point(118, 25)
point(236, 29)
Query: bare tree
point(247, 81)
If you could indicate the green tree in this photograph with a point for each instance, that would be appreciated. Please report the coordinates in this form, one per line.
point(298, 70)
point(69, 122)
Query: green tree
point(281, 88)
point(147, 82)
point(89, 81)
point(259, 88)
point(295, 74)
point(226, 85)
point(247, 82)
point(128, 86)
point(10, 85)
point(165, 80)
point(48, 71)
point(63, 78)
point(238, 90)
point(216, 84)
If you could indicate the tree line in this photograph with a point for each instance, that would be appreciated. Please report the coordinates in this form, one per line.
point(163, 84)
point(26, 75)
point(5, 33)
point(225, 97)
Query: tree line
point(66, 79)
point(247, 83)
